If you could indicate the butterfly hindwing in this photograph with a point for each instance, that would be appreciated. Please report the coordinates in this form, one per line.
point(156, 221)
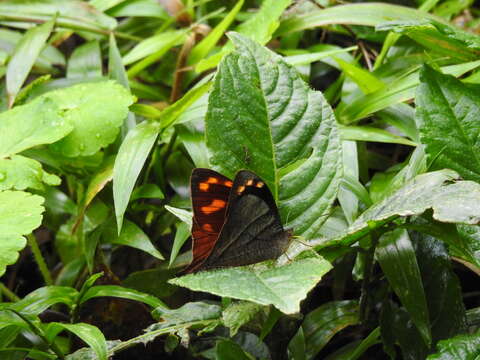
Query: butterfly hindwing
point(253, 231)
point(210, 193)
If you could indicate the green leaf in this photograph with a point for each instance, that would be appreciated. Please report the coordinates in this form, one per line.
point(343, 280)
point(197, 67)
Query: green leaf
point(396, 256)
point(129, 162)
point(365, 80)
point(43, 298)
point(181, 235)
point(228, 350)
point(368, 133)
point(147, 191)
point(465, 347)
point(238, 314)
point(442, 287)
point(18, 172)
point(320, 325)
point(26, 52)
point(20, 214)
point(201, 50)
point(184, 215)
point(263, 117)
point(85, 61)
point(259, 27)
point(368, 14)
point(94, 126)
point(450, 199)
point(133, 236)
point(190, 312)
point(262, 285)
point(90, 334)
point(400, 90)
point(447, 113)
point(38, 122)
point(123, 293)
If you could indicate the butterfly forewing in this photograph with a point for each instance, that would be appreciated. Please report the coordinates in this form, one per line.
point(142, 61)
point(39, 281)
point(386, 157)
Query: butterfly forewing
point(253, 231)
point(210, 192)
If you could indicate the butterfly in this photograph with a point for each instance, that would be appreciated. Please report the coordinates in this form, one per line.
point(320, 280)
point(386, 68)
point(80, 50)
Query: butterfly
point(235, 223)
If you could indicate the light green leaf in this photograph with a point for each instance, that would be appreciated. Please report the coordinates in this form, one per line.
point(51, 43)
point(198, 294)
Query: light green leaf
point(283, 287)
point(320, 325)
point(201, 50)
point(25, 55)
point(123, 293)
point(396, 256)
point(129, 162)
point(281, 129)
point(156, 44)
point(259, 27)
point(368, 14)
point(369, 133)
point(90, 334)
point(43, 298)
point(38, 122)
point(365, 80)
point(465, 347)
point(20, 214)
point(451, 200)
point(447, 117)
point(95, 126)
point(18, 172)
point(184, 215)
point(85, 61)
point(147, 191)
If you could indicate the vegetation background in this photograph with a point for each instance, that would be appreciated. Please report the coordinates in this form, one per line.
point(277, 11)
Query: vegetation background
point(363, 118)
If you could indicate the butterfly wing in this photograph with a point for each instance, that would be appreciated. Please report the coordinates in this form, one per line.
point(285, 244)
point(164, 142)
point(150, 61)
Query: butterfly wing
point(210, 191)
point(253, 230)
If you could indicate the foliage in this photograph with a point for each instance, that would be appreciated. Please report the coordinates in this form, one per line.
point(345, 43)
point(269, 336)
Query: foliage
point(362, 119)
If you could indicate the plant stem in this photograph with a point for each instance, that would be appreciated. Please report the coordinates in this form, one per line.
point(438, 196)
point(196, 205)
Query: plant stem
point(37, 254)
point(367, 275)
point(8, 293)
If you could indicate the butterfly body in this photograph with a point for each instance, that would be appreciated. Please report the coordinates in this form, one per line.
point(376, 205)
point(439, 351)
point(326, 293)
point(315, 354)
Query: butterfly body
point(235, 223)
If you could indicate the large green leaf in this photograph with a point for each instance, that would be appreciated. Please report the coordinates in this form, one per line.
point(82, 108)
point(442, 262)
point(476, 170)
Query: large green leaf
point(129, 162)
point(20, 214)
point(396, 256)
point(38, 122)
point(263, 117)
point(464, 347)
point(320, 325)
point(283, 287)
point(451, 200)
point(121, 292)
point(18, 172)
point(447, 116)
point(96, 110)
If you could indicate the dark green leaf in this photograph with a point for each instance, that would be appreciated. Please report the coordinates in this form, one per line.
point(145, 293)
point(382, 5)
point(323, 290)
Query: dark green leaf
point(238, 314)
point(228, 350)
point(276, 122)
point(396, 256)
point(122, 292)
point(320, 325)
point(465, 347)
point(447, 113)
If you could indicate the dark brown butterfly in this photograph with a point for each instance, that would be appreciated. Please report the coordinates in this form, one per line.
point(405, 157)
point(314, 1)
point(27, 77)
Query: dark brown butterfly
point(234, 223)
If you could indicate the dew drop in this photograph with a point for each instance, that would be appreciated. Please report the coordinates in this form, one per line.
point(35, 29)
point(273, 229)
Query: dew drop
point(82, 147)
point(97, 135)
point(2, 176)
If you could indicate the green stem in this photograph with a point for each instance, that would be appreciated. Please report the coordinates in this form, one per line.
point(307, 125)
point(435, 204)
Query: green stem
point(8, 293)
point(37, 254)
point(367, 275)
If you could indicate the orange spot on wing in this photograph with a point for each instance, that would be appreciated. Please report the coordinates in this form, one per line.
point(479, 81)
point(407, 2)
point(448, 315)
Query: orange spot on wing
point(249, 182)
point(216, 205)
point(259, 184)
point(228, 183)
point(240, 189)
point(203, 186)
point(207, 227)
point(212, 180)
